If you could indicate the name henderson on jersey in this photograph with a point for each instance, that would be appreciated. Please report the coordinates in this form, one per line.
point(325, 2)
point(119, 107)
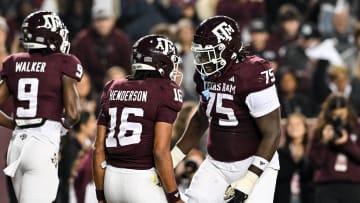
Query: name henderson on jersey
point(126, 95)
point(23, 66)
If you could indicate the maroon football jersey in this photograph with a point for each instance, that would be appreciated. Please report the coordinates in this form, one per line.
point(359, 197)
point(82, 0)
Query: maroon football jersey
point(35, 81)
point(233, 134)
point(129, 110)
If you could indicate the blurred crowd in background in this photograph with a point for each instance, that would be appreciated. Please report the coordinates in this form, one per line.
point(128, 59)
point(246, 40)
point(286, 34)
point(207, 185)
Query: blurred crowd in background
point(313, 45)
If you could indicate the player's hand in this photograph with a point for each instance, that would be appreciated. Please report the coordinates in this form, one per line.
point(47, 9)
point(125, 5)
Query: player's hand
point(233, 195)
point(101, 201)
point(239, 190)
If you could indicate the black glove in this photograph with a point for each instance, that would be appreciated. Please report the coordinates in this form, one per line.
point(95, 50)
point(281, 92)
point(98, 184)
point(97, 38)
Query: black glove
point(234, 196)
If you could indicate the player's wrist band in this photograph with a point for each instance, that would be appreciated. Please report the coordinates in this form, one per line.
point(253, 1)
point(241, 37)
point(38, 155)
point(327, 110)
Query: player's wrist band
point(260, 162)
point(173, 197)
point(100, 195)
point(177, 156)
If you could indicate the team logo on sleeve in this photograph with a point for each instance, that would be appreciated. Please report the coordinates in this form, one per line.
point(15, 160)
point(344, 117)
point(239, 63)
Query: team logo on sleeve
point(223, 32)
point(164, 46)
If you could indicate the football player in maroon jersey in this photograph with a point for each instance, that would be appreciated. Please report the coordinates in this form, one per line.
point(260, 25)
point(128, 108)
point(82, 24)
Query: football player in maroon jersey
point(239, 104)
point(134, 128)
point(42, 82)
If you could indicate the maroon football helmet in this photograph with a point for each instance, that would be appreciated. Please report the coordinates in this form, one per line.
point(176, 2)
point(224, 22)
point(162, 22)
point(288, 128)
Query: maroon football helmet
point(217, 42)
point(44, 30)
point(155, 52)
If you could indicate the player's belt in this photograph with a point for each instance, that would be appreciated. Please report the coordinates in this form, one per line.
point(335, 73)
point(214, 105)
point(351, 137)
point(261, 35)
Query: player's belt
point(30, 123)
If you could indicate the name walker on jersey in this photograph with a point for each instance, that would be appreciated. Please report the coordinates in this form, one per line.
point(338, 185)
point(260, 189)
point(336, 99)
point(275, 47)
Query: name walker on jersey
point(37, 67)
point(132, 95)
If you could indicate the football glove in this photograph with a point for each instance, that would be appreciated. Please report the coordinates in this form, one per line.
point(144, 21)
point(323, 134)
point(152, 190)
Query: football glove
point(234, 196)
point(177, 156)
point(239, 190)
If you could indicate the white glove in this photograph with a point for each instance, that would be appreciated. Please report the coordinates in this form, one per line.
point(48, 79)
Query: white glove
point(244, 185)
point(177, 156)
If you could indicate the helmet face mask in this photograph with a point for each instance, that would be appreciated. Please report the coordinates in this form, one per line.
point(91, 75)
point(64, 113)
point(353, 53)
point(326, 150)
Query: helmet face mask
point(216, 43)
point(45, 30)
point(208, 59)
point(154, 52)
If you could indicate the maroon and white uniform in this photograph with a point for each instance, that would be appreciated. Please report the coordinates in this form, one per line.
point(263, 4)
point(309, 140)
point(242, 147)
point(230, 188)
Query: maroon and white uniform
point(35, 80)
point(231, 119)
point(129, 110)
point(244, 91)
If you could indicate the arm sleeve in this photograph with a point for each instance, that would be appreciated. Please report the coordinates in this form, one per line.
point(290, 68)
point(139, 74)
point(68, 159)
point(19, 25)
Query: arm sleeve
point(262, 102)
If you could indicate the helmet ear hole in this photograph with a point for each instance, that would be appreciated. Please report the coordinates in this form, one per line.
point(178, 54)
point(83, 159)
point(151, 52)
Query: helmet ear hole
point(161, 71)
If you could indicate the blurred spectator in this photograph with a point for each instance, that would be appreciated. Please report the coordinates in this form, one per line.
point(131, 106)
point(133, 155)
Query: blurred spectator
point(335, 153)
point(289, 20)
point(351, 56)
point(294, 182)
point(8, 105)
point(146, 13)
point(84, 178)
point(260, 44)
point(82, 169)
point(339, 82)
point(50, 5)
point(326, 15)
point(309, 10)
point(164, 29)
point(23, 9)
point(188, 8)
point(206, 8)
point(242, 11)
point(102, 46)
point(291, 99)
point(343, 25)
point(4, 49)
point(184, 40)
point(70, 149)
point(77, 16)
point(114, 73)
point(316, 48)
point(9, 8)
point(88, 98)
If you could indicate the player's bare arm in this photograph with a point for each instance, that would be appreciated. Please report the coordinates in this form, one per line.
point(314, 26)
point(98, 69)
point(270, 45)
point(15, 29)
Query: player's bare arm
point(5, 120)
point(191, 137)
point(4, 91)
point(71, 101)
point(269, 126)
point(99, 161)
point(162, 158)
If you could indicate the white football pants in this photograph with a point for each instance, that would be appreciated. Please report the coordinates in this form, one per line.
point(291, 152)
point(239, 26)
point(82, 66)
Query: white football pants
point(32, 163)
point(213, 177)
point(132, 186)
